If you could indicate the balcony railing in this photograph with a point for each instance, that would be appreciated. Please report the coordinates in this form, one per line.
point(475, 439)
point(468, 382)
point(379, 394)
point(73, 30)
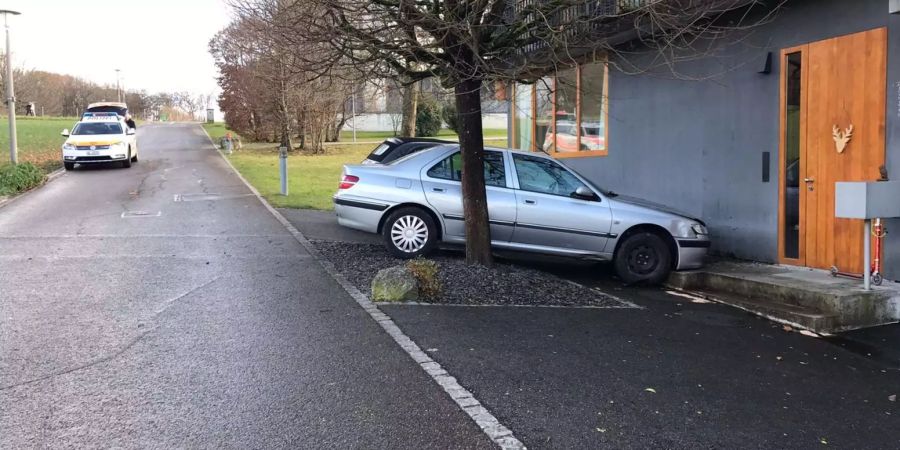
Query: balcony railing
point(549, 22)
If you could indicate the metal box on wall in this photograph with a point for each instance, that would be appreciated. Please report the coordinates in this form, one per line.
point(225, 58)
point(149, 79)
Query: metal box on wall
point(867, 200)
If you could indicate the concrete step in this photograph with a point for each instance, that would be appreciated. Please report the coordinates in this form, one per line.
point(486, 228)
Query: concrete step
point(808, 298)
point(793, 315)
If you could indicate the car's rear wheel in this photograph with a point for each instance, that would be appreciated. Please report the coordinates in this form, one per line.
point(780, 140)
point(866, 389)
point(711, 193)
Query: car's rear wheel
point(643, 258)
point(69, 166)
point(409, 232)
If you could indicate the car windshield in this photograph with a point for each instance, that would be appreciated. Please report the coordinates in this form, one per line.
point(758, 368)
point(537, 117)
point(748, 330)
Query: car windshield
point(94, 128)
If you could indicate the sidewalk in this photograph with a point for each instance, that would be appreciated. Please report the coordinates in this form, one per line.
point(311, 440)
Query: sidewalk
point(676, 374)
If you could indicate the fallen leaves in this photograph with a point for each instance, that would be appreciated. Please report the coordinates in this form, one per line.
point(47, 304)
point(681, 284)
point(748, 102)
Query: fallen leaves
point(892, 397)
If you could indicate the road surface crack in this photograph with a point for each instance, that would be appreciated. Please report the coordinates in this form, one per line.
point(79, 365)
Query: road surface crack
point(115, 354)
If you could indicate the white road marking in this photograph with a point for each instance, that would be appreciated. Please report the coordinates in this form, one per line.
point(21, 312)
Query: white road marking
point(139, 214)
point(500, 434)
point(692, 298)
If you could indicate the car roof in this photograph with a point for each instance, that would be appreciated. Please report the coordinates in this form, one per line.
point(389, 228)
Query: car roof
point(396, 140)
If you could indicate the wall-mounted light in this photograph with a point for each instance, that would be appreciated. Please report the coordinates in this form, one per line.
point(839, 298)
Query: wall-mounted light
point(767, 64)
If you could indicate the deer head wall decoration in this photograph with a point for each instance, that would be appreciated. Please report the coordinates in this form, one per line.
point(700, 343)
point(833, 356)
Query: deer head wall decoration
point(841, 138)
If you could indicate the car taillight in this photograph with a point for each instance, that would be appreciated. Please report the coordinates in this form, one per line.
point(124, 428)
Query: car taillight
point(348, 181)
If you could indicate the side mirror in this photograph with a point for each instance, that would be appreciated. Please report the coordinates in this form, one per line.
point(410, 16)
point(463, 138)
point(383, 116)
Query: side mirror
point(584, 193)
point(65, 133)
point(130, 131)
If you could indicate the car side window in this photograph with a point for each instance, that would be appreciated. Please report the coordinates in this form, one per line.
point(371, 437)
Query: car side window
point(450, 168)
point(544, 176)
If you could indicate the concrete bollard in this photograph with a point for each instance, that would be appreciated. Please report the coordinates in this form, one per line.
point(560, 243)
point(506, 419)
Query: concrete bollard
point(282, 166)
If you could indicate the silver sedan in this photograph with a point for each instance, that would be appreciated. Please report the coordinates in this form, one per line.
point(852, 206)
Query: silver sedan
point(535, 205)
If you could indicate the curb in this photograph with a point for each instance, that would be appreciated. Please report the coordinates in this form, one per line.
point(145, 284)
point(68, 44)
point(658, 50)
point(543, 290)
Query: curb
point(50, 177)
point(496, 431)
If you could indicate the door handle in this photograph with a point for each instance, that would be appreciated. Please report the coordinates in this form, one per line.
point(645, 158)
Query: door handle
point(809, 180)
point(530, 202)
point(809, 184)
point(437, 189)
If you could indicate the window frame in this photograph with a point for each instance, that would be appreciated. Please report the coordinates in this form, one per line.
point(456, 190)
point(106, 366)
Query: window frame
point(579, 125)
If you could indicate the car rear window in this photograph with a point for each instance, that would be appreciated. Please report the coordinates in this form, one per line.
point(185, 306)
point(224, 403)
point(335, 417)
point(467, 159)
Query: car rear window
point(380, 149)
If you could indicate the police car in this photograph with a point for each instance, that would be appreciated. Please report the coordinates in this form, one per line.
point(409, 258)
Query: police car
point(100, 137)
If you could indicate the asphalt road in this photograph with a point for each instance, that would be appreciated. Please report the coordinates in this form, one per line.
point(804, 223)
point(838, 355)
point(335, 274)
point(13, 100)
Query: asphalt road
point(674, 375)
point(162, 306)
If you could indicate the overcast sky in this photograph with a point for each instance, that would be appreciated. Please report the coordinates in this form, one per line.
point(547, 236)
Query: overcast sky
point(160, 45)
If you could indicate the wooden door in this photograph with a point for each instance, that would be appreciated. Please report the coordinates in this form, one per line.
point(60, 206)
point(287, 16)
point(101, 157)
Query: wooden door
point(835, 127)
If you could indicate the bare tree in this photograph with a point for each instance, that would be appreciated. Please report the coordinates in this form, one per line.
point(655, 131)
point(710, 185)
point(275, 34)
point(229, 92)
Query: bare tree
point(467, 43)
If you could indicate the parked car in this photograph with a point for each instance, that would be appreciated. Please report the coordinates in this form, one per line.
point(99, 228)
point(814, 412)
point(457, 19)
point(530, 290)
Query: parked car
point(100, 137)
point(535, 205)
point(395, 148)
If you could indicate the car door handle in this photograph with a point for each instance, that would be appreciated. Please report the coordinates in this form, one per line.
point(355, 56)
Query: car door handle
point(530, 202)
point(437, 189)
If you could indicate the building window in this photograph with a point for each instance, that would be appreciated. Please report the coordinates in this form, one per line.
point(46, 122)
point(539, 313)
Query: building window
point(566, 114)
point(522, 117)
point(543, 111)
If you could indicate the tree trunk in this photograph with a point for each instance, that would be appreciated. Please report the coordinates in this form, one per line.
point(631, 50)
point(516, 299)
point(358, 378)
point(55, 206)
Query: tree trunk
point(410, 103)
point(471, 142)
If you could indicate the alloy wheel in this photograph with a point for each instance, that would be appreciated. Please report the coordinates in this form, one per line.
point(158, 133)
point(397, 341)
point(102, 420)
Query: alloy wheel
point(409, 234)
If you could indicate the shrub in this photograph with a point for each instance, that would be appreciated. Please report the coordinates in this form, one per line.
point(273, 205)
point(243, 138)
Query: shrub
point(18, 178)
point(448, 112)
point(428, 116)
point(426, 273)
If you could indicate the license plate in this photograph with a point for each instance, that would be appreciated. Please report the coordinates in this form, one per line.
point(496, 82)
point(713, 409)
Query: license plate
point(93, 153)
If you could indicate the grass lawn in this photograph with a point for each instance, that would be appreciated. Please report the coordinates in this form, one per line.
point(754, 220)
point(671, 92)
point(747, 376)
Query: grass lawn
point(39, 140)
point(217, 130)
point(312, 179)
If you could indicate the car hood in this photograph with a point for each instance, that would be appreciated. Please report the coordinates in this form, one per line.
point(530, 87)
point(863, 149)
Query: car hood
point(652, 205)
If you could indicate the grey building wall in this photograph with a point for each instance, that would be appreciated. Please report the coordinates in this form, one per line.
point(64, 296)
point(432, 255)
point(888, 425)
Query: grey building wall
point(697, 144)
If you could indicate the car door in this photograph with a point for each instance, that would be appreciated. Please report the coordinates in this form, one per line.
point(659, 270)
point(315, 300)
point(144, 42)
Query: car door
point(441, 182)
point(548, 213)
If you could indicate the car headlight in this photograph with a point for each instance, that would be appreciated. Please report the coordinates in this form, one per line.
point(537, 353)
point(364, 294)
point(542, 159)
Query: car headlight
point(117, 145)
point(700, 229)
point(68, 147)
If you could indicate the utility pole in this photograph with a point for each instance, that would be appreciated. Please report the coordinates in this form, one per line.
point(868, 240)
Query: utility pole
point(10, 92)
point(118, 91)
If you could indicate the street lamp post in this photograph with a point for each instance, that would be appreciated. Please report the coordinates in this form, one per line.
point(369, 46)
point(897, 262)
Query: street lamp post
point(118, 91)
point(10, 91)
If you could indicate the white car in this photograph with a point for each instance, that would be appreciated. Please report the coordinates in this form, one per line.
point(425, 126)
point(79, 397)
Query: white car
point(100, 138)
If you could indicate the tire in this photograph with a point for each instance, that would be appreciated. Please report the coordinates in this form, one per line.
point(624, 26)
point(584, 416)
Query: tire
point(409, 233)
point(134, 158)
point(69, 166)
point(643, 258)
point(127, 163)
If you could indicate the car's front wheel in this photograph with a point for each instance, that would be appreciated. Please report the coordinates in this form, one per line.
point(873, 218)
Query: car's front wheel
point(643, 258)
point(69, 165)
point(127, 162)
point(409, 232)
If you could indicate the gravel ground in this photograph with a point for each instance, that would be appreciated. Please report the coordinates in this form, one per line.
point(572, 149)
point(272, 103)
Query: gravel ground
point(505, 284)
